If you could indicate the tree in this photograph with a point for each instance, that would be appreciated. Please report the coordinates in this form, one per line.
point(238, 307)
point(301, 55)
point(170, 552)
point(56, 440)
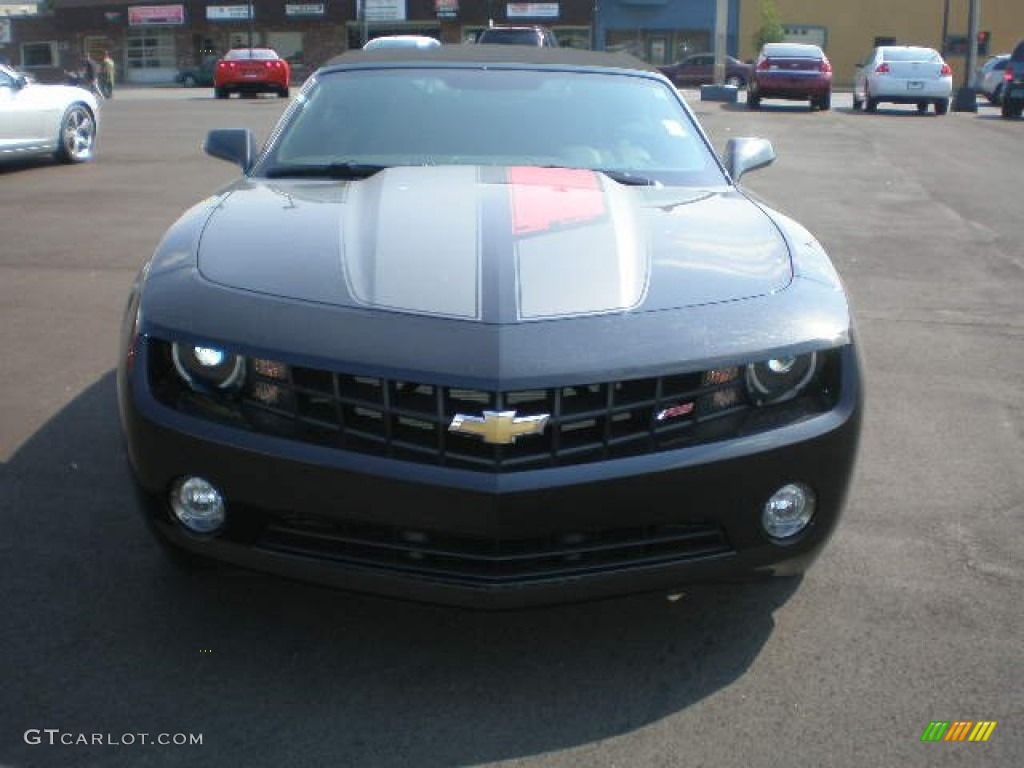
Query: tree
point(771, 30)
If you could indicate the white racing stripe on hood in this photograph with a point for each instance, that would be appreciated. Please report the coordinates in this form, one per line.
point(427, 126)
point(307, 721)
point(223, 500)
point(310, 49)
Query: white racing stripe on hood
point(600, 265)
point(395, 254)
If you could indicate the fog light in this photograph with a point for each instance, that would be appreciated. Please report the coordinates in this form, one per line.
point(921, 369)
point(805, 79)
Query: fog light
point(198, 505)
point(788, 511)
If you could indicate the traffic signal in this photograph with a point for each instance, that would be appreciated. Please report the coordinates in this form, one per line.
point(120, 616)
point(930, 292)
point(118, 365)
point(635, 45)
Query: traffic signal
point(983, 38)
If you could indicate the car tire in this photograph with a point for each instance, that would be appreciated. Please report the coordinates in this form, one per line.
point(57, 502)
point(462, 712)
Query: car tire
point(857, 103)
point(825, 101)
point(220, 93)
point(871, 105)
point(188, 81)
point(753, 101)
point(922, 107)
point(284, 93)
point(1012, 108)
point(941, 106)
point(76, 138)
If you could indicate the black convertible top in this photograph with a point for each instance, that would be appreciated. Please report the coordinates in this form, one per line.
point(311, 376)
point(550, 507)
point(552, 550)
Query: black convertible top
point(476, 53)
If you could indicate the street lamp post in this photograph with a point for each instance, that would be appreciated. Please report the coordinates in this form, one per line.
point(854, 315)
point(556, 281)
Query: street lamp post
point(945, 30)
point(966, 99)
point(251, 9)
point(721, 30)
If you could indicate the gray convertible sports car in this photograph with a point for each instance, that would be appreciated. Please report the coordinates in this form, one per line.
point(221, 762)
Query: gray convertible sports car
point(491, 327)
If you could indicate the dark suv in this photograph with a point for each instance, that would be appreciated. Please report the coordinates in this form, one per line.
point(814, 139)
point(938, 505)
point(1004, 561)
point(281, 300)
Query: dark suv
point(1013, 83)
point(525, 35)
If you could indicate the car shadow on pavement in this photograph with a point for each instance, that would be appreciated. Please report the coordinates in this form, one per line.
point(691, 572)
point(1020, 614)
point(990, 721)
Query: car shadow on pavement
point(103, 634)
point(780, 107)
point(24, 164)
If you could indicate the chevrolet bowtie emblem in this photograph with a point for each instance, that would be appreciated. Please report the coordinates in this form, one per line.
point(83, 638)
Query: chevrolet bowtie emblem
point(499, 427)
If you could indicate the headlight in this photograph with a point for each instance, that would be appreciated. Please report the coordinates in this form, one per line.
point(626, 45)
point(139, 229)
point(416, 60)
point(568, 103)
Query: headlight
point(781, 378)
point(206, 368)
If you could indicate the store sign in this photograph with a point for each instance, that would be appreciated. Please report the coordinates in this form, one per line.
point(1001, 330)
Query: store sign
point(383, 10)
point(532, 10)
point(228, 12)
point(447, 9)
point(155, 15)
point(304, 9)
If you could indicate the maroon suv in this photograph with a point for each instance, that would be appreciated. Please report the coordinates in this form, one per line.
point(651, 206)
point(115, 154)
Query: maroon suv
point(792, 71)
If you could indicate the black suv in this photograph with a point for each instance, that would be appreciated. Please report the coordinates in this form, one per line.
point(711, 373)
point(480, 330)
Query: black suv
point(1013, 83)
point(525, 35)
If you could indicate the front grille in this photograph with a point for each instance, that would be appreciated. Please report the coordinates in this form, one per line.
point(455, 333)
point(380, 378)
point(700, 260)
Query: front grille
point(410, 421)
point(487, 561)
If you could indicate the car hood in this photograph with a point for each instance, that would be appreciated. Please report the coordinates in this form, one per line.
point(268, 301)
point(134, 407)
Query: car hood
point(46, 94)
point(492, 245)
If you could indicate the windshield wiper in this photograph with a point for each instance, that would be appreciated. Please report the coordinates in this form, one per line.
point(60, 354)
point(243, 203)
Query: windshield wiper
point(328, 171)
point(630, 179)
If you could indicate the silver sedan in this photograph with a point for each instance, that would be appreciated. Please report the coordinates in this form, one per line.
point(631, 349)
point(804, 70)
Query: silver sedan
point(38, 119)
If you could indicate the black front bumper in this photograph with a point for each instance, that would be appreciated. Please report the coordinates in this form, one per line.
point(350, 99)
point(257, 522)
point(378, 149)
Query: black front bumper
point(483, 540)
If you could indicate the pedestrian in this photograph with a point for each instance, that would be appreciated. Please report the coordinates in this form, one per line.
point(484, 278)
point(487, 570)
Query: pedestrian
point(107, 73)
point(88, 73)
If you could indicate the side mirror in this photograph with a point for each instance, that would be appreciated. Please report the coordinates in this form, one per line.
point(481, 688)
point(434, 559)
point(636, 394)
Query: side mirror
point(747, 154)
point(236, 145)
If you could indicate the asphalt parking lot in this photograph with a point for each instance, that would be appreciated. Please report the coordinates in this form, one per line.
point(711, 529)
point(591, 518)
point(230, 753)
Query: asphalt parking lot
point(912, 615)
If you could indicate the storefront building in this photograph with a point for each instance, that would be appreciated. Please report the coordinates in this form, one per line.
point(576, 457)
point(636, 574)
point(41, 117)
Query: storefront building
point(663, 31)
point(151, 41)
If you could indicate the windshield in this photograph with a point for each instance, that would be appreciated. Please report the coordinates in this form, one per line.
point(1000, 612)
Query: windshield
point(250, 53)
point(910, 54)
point(353, 123)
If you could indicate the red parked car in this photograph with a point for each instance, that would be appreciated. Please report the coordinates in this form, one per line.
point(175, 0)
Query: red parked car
point(699, 69)
point(251, 70)
point(792, 71)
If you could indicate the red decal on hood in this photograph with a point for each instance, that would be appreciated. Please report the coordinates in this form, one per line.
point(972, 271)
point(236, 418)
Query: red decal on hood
point(549, 198)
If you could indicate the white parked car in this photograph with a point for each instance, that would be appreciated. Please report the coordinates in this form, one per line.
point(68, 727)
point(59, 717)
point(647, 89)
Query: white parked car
point(903, 74)
point(39, 119)
point(989, 77)
point(402, 41)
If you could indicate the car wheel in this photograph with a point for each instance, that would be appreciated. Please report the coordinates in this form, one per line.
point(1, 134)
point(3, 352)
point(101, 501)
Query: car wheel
point(922, 107)
point(753, 101)
point(825, 101)
point(189, 81)
point(857, 103)
point(941, 106)
point(1012, 107)
point(283, 93)
point(77, 135)
point(220, 93)
point(871, 105)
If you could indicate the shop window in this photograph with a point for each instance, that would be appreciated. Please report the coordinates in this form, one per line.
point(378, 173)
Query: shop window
point(573, 37)
point(38, 55)
point(150, 49)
